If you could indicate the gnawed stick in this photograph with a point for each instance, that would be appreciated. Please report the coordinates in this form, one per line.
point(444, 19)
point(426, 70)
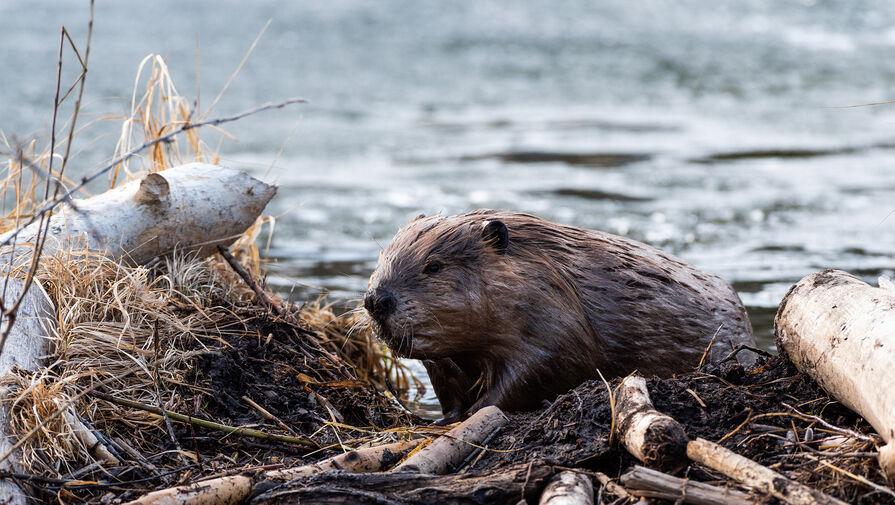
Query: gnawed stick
point(649, 435)
point(612, 487)
point(568, 488)
point(235, 488)
point(449, 450)
point(369, 459)
point(756, 476)
point(641, 481)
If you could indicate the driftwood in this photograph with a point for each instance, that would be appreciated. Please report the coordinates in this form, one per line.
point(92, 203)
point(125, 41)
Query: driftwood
point(841, 332)
point(506, 486)
point(235, 488)
point(448, 451)
point(568, 488)
point(649, 483)
point(756, 476)
point(649, 435)
point(190, 207)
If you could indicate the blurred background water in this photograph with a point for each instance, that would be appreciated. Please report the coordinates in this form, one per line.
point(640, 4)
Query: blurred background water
point(711, 129)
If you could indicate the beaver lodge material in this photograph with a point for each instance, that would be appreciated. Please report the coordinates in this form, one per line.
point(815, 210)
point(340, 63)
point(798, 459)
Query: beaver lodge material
point(178, 379)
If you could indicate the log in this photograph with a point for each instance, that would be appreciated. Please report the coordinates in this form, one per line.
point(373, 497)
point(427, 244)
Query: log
point(448, 451)
point(649, 435)
point(841, 331)
point(568, 488)
point(506, 485)
point(649, 483)
point(192, 207)
point(235, 488)
point(756, 476)
point(24, 348)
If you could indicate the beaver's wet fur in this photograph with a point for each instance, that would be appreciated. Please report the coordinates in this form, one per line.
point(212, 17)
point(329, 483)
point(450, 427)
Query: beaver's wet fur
point(508, 309)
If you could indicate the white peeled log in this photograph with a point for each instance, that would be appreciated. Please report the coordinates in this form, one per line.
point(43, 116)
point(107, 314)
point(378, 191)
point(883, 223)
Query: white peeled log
point(193, 207)
point(654, 438)
point(190, 207)
point(568, 488)
point(445, 453)
point(24, 349)
point(841, 331)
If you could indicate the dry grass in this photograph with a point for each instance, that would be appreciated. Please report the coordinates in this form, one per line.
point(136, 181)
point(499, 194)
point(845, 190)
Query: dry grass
point(139, 330)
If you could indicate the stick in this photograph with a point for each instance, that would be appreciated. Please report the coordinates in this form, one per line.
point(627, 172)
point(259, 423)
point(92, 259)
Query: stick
point(754, 475)
point(650, 436)
point(202, 422)
point(236, 488)
point(448, 451)
point(568, 488)
point(642, 481)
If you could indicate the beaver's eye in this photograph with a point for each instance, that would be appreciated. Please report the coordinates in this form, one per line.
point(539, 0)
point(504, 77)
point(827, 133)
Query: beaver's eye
point(432, 268)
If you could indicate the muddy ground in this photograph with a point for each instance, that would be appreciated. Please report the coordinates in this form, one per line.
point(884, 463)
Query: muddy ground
point(316, 397)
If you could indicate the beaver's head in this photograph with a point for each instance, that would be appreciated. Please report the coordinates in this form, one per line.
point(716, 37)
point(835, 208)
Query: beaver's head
point(432, 293)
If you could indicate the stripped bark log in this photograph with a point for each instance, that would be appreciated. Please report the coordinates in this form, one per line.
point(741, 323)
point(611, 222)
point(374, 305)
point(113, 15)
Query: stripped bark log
point(756, 476)
point(192, 207)
point(446, 452)
point(189, 207)
point(235, 488)
point(507, 485)
point(649, 483)
point(841, 332)
point(649, 435)
point(24, 347)
point(568, 488)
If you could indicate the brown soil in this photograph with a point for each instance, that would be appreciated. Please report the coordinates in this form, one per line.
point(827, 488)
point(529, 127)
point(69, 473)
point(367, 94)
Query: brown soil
point(574, 430)
point(282, 368)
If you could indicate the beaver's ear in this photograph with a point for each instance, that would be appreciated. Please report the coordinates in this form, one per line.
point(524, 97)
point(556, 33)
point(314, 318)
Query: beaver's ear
point(496, 235)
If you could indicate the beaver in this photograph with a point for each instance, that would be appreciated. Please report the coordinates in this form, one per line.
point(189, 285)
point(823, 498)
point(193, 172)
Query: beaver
point(508, 309)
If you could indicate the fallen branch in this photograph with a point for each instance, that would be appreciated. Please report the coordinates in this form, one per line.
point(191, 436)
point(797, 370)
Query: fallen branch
point(508, 485)
point(568, 488)
point(649, 483)
point(203, 423)
point(649, 435)
point(754, 475)
point(841, 331)
point(447, 452)
point(236, 488)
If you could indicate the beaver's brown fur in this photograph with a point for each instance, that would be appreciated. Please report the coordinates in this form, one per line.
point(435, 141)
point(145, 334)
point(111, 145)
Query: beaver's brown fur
point(508, 309)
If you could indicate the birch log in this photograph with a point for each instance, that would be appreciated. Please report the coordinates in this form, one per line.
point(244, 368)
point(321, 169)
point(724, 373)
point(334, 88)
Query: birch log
point(649, 435)
point(190, 207)
point(841, 331)
point(448, 451)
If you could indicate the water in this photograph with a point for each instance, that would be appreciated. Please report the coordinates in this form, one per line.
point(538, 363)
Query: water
point(711, 129)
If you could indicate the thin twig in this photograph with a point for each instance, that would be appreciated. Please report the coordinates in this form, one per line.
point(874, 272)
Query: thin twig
point(265, 300)
point(158, 393)
point(202, 422)
point(843, 431)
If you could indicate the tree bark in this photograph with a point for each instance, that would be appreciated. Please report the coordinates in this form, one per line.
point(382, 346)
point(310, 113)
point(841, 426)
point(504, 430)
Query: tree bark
point(841, 332)
point(506, 486)
point(641, 481)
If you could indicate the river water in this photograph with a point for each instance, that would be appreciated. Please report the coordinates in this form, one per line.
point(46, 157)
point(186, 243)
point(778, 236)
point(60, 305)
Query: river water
point(715, 130)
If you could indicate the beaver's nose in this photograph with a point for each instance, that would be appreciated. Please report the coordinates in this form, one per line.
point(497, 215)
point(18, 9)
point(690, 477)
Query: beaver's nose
point(380, 303)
